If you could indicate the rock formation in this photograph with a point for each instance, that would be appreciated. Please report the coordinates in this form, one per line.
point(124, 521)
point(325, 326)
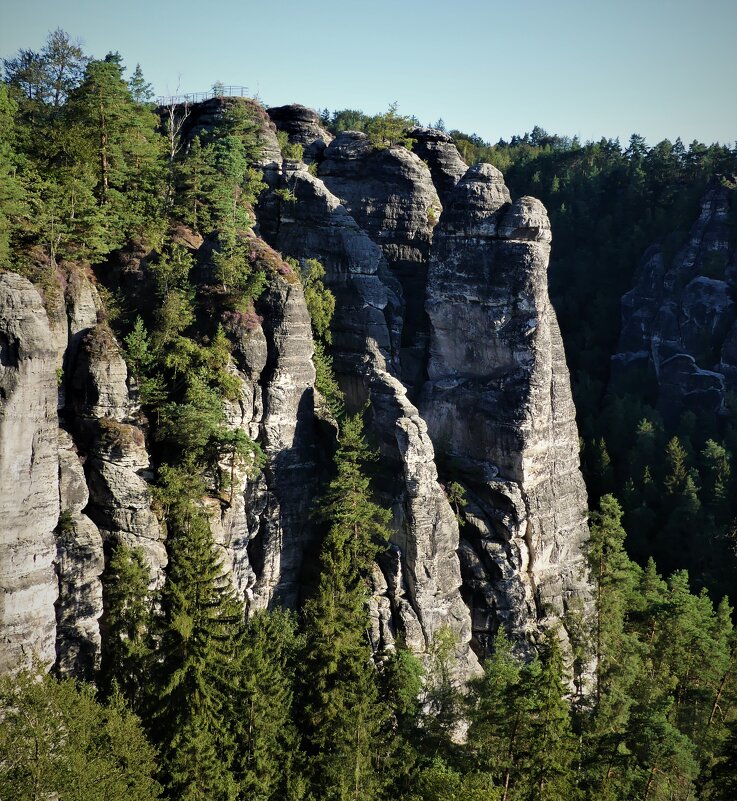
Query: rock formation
point(437, 150)
point(303, 127)
point(442, 324)
point(29, 492)
point(390, 194)
point(678, 320)
point(420, 579)
point(499, 410)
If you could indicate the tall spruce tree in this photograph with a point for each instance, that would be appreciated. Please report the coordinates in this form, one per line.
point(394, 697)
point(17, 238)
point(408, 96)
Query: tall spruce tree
point(267, 762)
point(127, 647)
point(198, 683)
point(343, 719)
point(617, 652)
point(551, 746)
point(499, 717)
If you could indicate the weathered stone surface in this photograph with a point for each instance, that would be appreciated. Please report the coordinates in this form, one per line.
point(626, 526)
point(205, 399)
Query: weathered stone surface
point(390, 194)
point(284, 529)
point(446, 165)
point(304, 127)
point(421, 579)
point(99, 380)
point(677, 318)
point(499, 408)
point(118, 465)
point(29, 492)
point(79, 565)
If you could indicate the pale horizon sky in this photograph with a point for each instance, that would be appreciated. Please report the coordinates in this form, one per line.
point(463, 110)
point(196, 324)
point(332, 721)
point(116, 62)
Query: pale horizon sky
point(661, 68)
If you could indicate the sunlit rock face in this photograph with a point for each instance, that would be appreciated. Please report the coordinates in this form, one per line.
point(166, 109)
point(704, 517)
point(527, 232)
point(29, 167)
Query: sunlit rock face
point(29, 491)
point(499, 410)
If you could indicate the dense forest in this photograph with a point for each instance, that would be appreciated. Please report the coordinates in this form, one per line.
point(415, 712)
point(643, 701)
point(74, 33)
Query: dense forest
point(199, 698)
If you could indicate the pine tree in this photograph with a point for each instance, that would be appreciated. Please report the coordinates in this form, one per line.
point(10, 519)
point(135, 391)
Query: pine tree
point(120, 142)
point(198, 681)
point(499, 716)
point(267, 761)
point(343, 719)
point(617, 653)
point(127, 648)
point(677, 471)
point(550, 747)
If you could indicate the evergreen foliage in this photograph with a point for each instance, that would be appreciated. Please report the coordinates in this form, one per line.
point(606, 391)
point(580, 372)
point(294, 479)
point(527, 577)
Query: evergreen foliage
point(127, 655)
point(57, 741)
point(286, 707)
point(344, 722)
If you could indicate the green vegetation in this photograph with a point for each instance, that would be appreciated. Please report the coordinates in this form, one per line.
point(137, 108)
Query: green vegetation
point(384, 130)
point(57, 741)
point(304, 706)
point(607, 204)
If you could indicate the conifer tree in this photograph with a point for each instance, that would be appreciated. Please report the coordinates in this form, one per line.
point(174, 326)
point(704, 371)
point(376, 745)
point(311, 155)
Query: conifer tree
point(617, 653)
point(267, 761)
point(200, 639)
point(499, 717)
point(127, 647)
point(343, 718)
point(550, 747)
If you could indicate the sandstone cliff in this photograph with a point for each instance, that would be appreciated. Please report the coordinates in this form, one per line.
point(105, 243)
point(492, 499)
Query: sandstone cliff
point(499, 408)
point(29, 493)
point(443, 325)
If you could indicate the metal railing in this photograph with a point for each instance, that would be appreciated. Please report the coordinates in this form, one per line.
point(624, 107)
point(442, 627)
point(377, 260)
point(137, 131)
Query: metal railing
point(218, 90)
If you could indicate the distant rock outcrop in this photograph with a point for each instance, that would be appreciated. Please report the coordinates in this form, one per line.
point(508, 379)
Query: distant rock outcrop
point(679, 319)
point(437, 150)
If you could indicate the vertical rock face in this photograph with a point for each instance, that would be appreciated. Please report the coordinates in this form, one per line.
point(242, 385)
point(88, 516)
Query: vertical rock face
point(304, 127)
point(287, 435)
point(678, 320)
point(29, 491)
point(79, 565)
point(499, 409)
point(117, 463)
point(390, 194)
point(418, 586)
point(446, 166)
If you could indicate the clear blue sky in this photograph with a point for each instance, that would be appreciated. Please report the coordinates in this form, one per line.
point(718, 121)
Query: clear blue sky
point(662, 68)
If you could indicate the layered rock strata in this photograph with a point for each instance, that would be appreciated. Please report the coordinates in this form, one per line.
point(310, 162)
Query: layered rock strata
point(283, 529)
point(499, 410)
point(678, 320)
point(417, 590)
point(117, 464)
point(29, 491)
point(390, 194)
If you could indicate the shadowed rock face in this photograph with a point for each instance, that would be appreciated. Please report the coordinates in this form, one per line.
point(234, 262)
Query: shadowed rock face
point(390, 194)
point(304, 127)
point(417, 588)
point(679, 319)
point(499, 409)
point(29, 491)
